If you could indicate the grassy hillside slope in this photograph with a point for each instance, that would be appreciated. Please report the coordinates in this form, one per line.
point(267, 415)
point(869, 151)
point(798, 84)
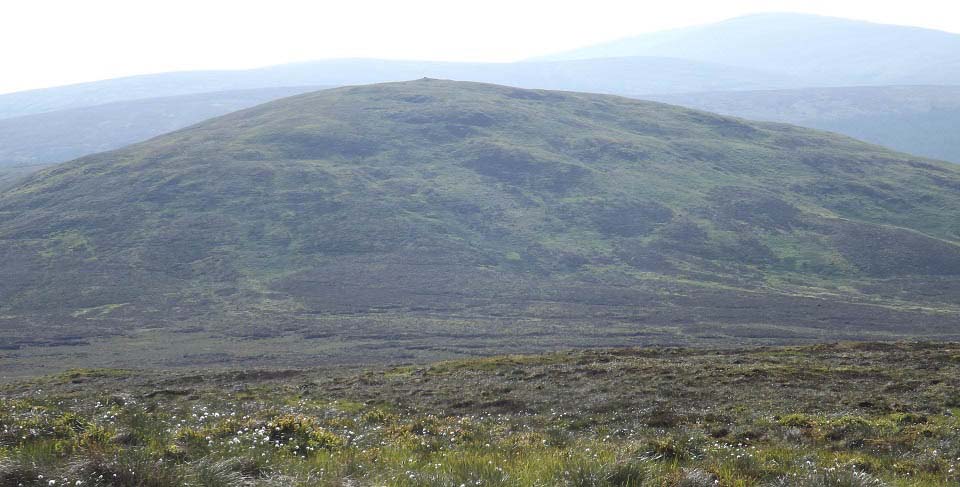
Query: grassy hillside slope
point(435, 219)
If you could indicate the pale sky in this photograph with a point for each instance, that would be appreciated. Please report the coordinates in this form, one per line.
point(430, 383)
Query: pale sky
point(55, 42)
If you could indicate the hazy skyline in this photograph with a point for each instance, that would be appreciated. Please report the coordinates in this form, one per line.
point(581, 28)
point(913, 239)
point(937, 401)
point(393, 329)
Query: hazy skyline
point(57, 42)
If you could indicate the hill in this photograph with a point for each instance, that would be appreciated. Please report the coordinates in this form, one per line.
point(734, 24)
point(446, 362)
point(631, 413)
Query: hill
point(434, 219)
point(865, 415)
point(915, 119)
point(821, 51)
point(623, 75)
point(63, 135)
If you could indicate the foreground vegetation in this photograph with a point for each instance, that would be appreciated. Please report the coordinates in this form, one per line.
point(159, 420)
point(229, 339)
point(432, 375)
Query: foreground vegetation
point(857, 415)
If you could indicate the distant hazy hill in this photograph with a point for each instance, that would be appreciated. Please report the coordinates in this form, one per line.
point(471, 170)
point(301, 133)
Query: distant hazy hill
point(435, 218)
point(630, 75)
point(67, 134)
point(921, 120)
point(821, 51)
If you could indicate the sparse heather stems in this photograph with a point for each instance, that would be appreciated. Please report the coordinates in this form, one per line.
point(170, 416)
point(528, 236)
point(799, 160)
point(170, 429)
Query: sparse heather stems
point(695, 477)
point(127, 468)
point(14, 472)
point(215, 473)
point(469, 470)
point(630, 473)
point(830, 478)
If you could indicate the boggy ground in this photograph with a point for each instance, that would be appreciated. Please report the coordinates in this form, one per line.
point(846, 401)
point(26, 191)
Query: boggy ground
point(841, 414)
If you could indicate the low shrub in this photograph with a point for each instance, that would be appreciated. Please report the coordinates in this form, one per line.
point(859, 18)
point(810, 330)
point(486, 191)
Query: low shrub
point(303, 434)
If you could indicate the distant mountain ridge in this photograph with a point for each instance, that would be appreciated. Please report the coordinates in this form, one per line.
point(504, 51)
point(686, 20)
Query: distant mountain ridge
point(920, 120)
point(818, 51)
point(622, 75)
